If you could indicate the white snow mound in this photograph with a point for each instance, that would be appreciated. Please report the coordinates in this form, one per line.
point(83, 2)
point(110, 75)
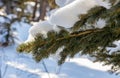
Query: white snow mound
point(69, 14)
point(39, 28)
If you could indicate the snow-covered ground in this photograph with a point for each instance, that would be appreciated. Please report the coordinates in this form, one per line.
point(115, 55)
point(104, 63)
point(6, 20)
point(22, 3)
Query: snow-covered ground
point(16, 65)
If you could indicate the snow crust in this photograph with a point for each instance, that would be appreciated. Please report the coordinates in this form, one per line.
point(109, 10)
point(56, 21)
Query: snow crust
point(69, 14)
point(42, 27)
point(104, 3)
point(114, 49)
point(2, 20)
point(62, 3)
point(100, 23)
point(39, 28)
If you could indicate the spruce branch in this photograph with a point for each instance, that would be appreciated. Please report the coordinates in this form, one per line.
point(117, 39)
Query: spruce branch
point(83, 40)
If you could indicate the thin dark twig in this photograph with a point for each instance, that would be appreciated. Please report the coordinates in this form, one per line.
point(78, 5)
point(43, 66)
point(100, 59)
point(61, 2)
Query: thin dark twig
point(6, 67)
point(34, 10)
point(59, 69)
point(45, 67)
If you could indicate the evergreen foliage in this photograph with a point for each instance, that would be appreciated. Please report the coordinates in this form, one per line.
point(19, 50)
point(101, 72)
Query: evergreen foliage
point(82, 39)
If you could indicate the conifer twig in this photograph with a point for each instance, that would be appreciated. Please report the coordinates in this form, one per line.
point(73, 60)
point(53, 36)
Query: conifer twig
point(45, 67)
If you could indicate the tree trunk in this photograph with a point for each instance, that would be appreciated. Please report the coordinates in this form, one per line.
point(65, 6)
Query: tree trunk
point(42, 9)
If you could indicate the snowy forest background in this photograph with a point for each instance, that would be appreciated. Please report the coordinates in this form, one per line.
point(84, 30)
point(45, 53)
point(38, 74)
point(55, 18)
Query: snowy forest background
point(18, 20)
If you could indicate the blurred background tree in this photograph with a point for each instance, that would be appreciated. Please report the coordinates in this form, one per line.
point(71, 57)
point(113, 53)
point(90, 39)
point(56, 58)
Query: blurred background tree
point(20, 10)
